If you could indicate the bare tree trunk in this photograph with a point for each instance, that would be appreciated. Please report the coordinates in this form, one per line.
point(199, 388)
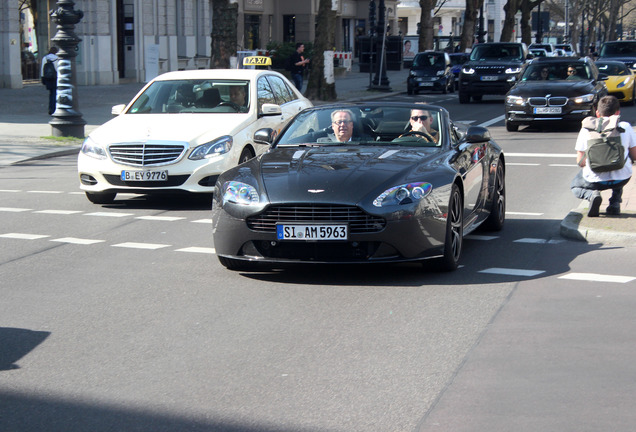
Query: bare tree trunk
point(470, 20)
point(426, 25)
point(317, 86)
point(507, 32)
point(224, 24)
point(526, 26)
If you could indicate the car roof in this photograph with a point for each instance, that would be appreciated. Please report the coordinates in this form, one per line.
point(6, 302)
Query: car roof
point(214, 74)
point(561, 60)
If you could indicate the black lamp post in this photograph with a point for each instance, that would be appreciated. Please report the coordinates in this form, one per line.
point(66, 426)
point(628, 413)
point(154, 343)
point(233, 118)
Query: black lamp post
point(67, 120)
point(481, 32)
point(381, 81)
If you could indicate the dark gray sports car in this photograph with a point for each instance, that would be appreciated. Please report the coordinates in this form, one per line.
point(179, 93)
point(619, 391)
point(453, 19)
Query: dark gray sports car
point(360, 183)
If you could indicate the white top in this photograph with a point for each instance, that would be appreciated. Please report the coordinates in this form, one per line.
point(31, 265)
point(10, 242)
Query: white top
point(49, 57)
point(628, 140)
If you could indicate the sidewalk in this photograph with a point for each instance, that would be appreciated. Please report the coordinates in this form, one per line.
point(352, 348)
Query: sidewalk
point(26, 135)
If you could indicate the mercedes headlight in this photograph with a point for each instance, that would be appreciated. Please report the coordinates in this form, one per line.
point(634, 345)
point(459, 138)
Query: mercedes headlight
point(94, 150)
point(213, 148)
point(403, 194)
point(440, 72)
point(513, 70)
point(239, 193)
point(468, 70)
point(583, 99)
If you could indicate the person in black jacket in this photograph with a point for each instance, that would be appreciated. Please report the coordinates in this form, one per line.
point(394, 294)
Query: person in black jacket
point(298, 63)
point(50, 80)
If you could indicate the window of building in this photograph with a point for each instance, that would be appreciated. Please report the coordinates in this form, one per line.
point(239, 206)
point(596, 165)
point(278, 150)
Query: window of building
point(252, 32)
point(289, 28)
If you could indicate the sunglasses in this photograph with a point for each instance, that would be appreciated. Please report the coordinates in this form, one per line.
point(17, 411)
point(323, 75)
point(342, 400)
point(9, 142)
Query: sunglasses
point(422, 118)
point(571, 71)
point(342, 122)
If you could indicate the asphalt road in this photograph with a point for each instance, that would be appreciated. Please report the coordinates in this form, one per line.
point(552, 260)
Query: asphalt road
point(121, 318)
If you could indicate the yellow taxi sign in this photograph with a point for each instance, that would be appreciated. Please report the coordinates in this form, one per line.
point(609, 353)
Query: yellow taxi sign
point(257, 61)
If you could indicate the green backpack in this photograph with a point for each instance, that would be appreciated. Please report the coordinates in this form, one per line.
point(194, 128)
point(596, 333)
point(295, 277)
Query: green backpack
point(605, 152)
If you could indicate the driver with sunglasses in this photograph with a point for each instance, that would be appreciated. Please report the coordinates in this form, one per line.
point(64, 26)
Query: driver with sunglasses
point(421, 121)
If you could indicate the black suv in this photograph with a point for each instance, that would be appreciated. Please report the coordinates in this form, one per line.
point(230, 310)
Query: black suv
point(623, 51)
point(492, 69)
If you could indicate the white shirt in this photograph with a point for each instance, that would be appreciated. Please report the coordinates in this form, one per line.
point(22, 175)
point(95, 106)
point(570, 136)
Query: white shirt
point(628, 140)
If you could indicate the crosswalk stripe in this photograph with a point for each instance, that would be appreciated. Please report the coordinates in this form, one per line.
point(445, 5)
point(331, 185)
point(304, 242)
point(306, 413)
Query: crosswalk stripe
point(74, 240)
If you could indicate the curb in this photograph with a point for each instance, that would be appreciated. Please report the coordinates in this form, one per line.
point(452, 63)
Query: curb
point(571, 228)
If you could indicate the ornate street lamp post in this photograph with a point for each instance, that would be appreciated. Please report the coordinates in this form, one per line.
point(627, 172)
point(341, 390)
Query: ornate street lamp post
point(67, 120)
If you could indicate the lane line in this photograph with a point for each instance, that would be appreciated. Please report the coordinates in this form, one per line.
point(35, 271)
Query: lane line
point(14, 209)
point(74, 240)
point(59, 212)
point(493, 121)
point(109, 214)
point(24, 236)
point(512, 272)
point(132, 245)
point(195, 249)
point(160, 218)
point(545, 155)
point(596, 277)
point(45, 192)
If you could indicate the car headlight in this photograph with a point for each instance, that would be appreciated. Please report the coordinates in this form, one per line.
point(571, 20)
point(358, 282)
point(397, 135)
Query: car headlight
point(515, 100)
point(468, 70)
point(94, 150)
point(239, 193)
point(213, 148)
point(440, 72)
point(403, 194)
point(623, 83)
point(583, 99)
point(513, 70)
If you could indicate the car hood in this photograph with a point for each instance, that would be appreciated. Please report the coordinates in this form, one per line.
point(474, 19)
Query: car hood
point(494, 63)
point(426, 71)
point(555, 88)
point(191, 128)
point(343, 174)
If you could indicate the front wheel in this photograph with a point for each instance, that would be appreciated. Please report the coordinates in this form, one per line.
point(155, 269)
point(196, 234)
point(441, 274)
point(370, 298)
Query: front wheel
point(511, 127)
point(454, 231)
point(246, 155)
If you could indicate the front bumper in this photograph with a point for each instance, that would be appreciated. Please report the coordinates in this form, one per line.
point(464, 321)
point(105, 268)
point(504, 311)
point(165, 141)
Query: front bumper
point(426, 83)
point(525, 115)
point(486, 84)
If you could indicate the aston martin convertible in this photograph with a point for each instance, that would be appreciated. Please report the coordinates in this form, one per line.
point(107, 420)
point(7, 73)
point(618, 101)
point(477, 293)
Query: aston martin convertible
point(360, 183)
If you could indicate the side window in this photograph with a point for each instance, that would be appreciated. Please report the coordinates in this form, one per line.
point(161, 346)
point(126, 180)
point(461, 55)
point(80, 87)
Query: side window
point(282, 93)
point(265, 93)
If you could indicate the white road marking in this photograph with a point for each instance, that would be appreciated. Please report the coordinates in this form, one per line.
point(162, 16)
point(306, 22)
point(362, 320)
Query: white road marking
point(74, 240)
point(60, 212)
point(133, 245)
point(23, 236)
point(543, 155)
point(493, 121)
point(595, 277)
point(537, 241)
point(562, 165)
point(480, 237)
point(512, 272)
point(521, 164)
point(109, 214)
point(205, 221)
point(45, 192)
point(523, 213)
point(14, 209)
point(10, 190)
point(195, 249)
point(160, 218)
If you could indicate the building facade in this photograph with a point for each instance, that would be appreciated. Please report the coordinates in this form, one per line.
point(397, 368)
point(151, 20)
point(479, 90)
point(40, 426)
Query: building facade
point(132, 40)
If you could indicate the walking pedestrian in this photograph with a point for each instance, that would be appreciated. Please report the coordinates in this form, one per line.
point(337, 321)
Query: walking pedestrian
point(48, 76)
point(588, 183)
point(298, 63)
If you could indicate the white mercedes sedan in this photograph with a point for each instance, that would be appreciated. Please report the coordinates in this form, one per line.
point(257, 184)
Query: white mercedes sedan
point(183, 129)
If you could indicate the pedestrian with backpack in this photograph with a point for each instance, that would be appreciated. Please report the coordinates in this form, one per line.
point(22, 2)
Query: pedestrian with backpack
point(604, 148)
point(48, 76)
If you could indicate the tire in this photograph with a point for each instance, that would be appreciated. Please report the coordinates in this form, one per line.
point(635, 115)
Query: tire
point(464, 98)
point(633, 101)
point(511, 127)
point(101, 197)
point(236, 265)
point(246, 155)
point(497, 217)
point(454, 239)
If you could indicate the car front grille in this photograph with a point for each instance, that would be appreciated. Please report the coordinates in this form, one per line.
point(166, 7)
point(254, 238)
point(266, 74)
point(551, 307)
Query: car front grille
point(146, 154)
point(358, 221)
point(551, 101)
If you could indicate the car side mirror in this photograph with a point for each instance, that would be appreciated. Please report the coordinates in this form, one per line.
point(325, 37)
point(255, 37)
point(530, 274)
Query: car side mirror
point(117, 109)
point(270, 110)
point(264, 136)
point(477, 134)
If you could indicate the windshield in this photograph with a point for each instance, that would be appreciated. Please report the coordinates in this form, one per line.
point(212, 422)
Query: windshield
point(193, 96)
point(618, 49)
point(556, 72)
point(613, 68)
point(429, 60)
point(496, 52)
point(409, 126)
